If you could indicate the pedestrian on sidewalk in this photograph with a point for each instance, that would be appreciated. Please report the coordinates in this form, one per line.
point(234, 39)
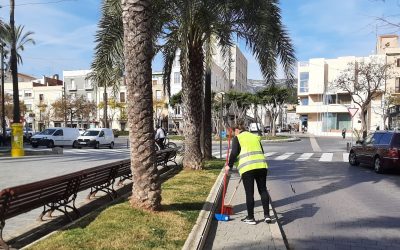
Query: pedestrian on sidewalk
point(160, 136)
point(252, 166)
point(344, 133)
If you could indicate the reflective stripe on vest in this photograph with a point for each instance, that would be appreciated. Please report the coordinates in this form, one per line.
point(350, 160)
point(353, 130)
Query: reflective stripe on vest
point(251, 155)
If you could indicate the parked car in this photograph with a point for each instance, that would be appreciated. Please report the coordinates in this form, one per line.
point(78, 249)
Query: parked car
point(56, 137)
point(96, 137)
point(81, 131)
point(255, 127)
point(28, 133)
point(380, 149)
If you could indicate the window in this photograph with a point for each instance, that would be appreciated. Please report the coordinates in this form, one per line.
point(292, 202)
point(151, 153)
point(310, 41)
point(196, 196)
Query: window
point(59, 133)
point(41, 97)
point(89, 97)
point(304, 76)
point(177, 110)
point(397, 85)
point(28, 107)
point(343, 98)
point(155, 82)
point(88, 84)
point(330, 99)
point(101, 134)
point(158, 95)
point(73, 85)
point(122, 96)
point(398, 62)
point(27, 94)
point(304, 101)
point(177, 77)
point(385, 139)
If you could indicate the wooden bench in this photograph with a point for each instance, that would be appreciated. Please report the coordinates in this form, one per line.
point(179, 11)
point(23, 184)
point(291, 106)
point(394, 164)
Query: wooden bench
point(59, 193)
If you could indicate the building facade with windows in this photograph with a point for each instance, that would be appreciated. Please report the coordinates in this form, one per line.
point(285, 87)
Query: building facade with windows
point(323, 109)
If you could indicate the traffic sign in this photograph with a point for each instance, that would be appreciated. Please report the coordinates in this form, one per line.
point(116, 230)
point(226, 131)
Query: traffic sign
point(352, 111)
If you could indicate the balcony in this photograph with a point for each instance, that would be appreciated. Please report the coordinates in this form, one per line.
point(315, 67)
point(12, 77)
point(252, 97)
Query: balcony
point(314, 109)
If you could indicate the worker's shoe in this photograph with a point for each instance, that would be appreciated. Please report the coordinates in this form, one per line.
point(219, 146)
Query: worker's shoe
point(267, 219)
point(248, 220)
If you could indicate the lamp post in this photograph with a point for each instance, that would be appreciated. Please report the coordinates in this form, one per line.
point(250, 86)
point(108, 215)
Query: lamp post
point(3, 115)
point(220, 124)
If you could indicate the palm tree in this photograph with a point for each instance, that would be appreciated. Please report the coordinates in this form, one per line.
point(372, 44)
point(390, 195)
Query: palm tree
point(107, 66)
point(191, 25)
point(21, 39)
point(138, 51)
point(13, 64)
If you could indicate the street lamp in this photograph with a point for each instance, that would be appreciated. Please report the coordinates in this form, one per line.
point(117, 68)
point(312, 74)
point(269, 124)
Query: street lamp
point(220, 124)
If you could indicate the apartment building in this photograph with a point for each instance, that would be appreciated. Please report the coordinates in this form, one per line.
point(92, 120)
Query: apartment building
point(322, 108)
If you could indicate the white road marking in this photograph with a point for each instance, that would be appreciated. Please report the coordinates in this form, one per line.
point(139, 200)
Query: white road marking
point(345, 157)
point(304, 157)
point(314, 145)
point(284, 156)
point(326, 157)
point(269, 154)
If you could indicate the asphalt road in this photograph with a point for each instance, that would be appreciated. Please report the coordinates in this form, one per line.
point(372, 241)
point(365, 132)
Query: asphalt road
point(322, 202)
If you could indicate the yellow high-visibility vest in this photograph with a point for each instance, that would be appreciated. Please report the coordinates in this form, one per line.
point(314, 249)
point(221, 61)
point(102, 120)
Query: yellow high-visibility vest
point(251, 155)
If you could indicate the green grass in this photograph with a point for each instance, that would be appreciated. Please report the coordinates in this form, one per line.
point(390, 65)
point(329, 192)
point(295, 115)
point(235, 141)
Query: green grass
point(277, 137)
point(119, 226)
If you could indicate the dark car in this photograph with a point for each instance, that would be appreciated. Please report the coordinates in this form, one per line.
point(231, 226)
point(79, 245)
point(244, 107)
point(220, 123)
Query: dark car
point(380, 149)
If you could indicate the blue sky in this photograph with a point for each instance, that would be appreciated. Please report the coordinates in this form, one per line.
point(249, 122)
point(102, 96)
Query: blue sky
point(65, 31)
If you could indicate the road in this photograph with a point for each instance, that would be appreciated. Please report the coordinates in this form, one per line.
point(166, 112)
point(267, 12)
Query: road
point(322, 202)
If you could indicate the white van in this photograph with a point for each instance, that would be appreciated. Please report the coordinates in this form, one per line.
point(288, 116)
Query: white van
point(56, 137)
point(253, 127)
point(96, 137)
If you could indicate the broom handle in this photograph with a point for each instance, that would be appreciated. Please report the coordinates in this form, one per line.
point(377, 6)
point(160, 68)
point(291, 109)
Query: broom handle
point(226, 162)
point(234, 192)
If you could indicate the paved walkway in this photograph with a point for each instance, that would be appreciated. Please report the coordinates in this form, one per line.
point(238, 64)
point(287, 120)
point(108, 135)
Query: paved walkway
point(235, 234)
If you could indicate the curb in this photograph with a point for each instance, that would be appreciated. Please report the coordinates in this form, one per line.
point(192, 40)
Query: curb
point(198, 235)
point(282, 140)
point(278, 235)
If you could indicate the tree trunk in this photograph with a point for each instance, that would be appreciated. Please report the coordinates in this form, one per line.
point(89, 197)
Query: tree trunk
point(273, 127)
point(207, 123)
point(192, 97)
point(364, 122)
point(14, 66)
point(138, 51)
point(105, 109)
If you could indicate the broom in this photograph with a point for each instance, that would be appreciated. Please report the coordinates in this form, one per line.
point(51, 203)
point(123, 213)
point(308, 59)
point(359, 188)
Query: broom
point(228, 208)
point(224, 216)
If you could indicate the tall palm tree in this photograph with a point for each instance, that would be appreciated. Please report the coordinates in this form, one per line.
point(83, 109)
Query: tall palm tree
point(138, 51)
point(21, 39)
point(107, 66)
point(191, 24)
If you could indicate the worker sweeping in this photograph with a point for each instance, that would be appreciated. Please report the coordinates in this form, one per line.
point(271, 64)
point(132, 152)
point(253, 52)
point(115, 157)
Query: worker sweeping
point(252, 166)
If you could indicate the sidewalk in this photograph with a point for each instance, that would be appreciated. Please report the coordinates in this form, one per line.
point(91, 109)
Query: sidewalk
point(235, 234)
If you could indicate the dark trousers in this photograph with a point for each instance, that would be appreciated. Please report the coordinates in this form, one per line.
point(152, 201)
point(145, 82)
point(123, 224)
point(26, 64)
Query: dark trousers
point(260, 176)
point(160, 142)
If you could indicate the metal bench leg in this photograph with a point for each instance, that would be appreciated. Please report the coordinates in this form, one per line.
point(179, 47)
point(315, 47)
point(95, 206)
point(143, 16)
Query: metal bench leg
point(3, 244)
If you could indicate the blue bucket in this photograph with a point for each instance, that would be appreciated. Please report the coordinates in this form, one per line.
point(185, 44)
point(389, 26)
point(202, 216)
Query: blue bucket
point(222, 217)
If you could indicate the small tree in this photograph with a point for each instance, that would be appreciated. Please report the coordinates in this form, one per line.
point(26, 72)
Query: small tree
point(273, 98)
point(175, 101)
point(364, 81)
point(9, 107)
point(112, 107)
point(74, 108)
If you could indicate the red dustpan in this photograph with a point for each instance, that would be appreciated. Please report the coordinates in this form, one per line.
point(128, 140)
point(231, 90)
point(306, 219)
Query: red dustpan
point(224, 216)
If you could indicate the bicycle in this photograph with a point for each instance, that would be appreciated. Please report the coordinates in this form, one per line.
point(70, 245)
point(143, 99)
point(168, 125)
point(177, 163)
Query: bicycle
point(166, 144)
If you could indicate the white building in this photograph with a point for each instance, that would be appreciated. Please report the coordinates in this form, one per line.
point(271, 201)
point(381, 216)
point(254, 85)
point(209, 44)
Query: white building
point(323, 109)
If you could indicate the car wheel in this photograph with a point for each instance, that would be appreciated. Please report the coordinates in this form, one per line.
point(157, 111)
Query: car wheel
point(50, 144)
point(378, 165)
point(353, 159)
point(34, 145)
point(75, 144)
point(112, 145)
point(97, 145)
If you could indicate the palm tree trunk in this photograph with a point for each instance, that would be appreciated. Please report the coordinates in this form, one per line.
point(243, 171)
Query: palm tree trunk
point(192, 97)
point(207, 123)
point(105, 111)
point(138, 53)
point(13, 66)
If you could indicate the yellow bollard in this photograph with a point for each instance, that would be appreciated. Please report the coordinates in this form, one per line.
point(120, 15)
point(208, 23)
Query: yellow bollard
point(17, 140)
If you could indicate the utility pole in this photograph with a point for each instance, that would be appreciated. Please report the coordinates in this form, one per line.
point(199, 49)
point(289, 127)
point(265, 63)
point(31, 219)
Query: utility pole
point(64, 105)
point(3, 115)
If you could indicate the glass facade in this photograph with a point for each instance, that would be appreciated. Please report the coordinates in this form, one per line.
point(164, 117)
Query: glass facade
point(304, 76)
point(335, 121)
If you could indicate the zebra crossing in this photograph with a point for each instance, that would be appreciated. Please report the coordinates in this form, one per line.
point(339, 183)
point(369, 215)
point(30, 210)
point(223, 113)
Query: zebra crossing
point(316, 156)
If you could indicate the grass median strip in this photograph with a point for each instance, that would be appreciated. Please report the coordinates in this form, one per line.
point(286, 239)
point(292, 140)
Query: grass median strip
point(118, 226)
